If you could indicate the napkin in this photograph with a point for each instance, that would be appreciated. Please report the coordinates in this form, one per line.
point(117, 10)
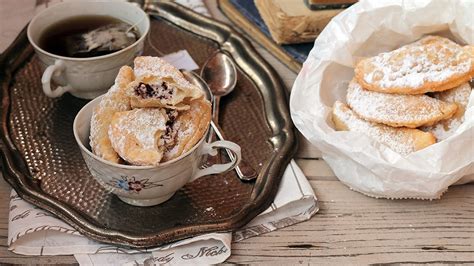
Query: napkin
point(367, 29)
point(33, 231)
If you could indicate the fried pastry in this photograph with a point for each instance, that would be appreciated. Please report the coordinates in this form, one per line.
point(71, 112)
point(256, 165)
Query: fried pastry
point(190, 126)
point(397, 110)
point(402, 140)
point(115, 100)
point(469, 49)
point(431, 64)
point(136, 134)
point(150, 115)
point(159, 84)
point(459, 96)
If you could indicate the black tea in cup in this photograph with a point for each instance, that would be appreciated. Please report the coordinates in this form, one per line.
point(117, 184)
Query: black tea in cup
point(88, 36)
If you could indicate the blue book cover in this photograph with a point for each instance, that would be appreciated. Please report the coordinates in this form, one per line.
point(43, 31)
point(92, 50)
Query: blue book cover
point(247, 7)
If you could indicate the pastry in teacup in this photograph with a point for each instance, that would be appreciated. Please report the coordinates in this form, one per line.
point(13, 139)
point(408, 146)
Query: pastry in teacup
point(136, 135)
point(151, 115)
point(401, 140)
point(115, 100)
point(431, 64)
point(397, 110)
point(159, 84)
point(190, 126)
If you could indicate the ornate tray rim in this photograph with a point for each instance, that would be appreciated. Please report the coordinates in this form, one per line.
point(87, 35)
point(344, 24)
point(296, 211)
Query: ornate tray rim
point(275, 99)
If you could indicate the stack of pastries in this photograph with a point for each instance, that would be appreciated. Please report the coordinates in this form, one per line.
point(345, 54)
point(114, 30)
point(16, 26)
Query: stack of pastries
point(411, 97)
point(151, 115)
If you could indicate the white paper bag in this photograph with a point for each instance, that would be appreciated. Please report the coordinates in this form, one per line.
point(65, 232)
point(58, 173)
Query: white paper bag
point(367, 29)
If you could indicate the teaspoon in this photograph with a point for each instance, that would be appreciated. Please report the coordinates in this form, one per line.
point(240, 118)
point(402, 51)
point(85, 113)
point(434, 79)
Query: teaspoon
point(242, 167)
point(220, 73)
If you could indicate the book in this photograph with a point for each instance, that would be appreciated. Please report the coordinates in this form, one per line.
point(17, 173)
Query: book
point(328, 4)
point(291, 21)
point(244, 14)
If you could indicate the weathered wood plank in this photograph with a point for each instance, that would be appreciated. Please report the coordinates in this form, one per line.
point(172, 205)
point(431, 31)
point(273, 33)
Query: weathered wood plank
point(353, 228)
point(306, 149)
point(316, 169)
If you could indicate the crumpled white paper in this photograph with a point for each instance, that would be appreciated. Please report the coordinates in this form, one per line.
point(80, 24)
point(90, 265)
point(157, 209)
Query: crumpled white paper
point(367, 29)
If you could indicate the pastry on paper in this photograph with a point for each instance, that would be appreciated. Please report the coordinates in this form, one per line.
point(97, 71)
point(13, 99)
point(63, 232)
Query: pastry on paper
point(431, 64)
point(459, 96)
point(401, 140)
point(397, 110)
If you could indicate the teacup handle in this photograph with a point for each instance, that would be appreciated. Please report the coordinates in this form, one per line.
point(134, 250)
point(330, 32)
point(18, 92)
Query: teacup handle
point(57, 69)
point(211, 149)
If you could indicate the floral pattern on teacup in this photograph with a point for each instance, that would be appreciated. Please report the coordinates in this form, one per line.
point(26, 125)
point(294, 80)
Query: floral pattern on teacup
point(132, 184)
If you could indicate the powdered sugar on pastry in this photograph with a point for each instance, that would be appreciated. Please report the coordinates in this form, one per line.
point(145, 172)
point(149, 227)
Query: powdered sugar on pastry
point(150, 110)
point(460, 96)
point(430, 64)
point(159, 84)
point(113, 101)
point(191, 125)
point(178, 149)
point(135, 135)
point(401, 140)
point(397, 110)
point(155, 66)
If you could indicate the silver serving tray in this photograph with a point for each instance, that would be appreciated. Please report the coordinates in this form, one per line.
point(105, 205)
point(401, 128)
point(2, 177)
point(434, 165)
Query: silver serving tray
point(60, 182)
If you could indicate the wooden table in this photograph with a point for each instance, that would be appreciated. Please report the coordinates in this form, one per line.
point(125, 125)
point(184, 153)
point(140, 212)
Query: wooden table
point(350, 228)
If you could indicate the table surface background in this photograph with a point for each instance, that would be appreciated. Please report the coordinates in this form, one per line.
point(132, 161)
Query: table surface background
point(349, 228)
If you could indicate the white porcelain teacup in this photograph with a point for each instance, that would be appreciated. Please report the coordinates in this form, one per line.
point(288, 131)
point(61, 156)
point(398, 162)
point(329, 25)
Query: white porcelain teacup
point(92, 76)
point(148, 185)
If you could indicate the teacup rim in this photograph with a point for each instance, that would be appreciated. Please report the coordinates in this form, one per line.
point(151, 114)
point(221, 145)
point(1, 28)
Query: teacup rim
point(123, 166)
point(93, 58)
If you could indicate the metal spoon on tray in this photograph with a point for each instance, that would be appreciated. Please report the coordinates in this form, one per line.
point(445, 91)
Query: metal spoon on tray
point(196, 80)
point(220, 74)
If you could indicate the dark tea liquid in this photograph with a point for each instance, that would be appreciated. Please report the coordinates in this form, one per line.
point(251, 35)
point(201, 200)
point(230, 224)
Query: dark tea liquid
point(56, 39)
